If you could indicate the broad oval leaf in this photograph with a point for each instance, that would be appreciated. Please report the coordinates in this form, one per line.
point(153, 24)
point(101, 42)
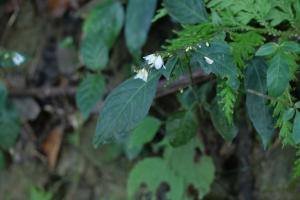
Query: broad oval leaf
point(89, 93)
point(152, 172)
point(9, 126)
point(257, 108)
point(105, 21)
point(125, 108)
point(181, 127)
point(216, 58)
point(291, 46)
point(296, 129)
point(267, 49)
point(278, 75)
point(138, 21)
point(94, 52)
point(186, 11)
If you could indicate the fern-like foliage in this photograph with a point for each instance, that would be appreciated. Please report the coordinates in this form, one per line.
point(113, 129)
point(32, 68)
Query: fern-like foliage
point(227, 98)
point(244, 46)
point(296, 169)
point(190, 36)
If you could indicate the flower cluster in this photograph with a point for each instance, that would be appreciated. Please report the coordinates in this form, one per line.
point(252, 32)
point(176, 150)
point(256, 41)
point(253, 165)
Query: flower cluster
point(154, 61)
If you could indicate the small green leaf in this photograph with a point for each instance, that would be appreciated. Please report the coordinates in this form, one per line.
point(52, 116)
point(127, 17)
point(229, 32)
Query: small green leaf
point(290, 46)
point(152, 172)
point(138, 21)
point(257, 108)
point(296, 129)
point(186, 11)
point(105, 22)
point(9, 126)
point(125, 108)
point(297, 104)
point(160, 14)
point(226, 130)
point(167, 71)
point(181, 127)
point(267, 49)
point(278, 75)
point(145, 131)
point(94, 52)
point(40, 194)
point(216, 58)
point(289, 114)
point(89, 93)
point(197, 172)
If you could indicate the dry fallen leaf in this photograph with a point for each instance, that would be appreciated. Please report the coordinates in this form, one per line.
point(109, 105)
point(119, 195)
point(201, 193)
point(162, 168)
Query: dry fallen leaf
point(52, 145)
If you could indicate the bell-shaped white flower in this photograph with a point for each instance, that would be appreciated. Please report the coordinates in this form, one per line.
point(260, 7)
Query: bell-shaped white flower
point(142, 74)
point(155, 61)
point(208, 60)
point(18, 59)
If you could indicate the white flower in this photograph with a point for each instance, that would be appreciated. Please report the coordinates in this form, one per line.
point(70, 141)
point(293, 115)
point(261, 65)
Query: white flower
point(200, 46)
point(188, 49)
point(18, 59)
point(154, 61)
point(207, 44)
point(142, 74)
point(208, 60)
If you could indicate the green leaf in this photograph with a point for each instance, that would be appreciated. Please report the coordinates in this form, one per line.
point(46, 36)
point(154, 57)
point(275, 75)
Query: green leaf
point(296, 129)
point(9, 126)
point(289, 114)
point(152, 172)
point(257, 108)
point(144, 132)
point(267, 49)
point(216, 58)
point(138, 21)
point(297, 104)
point(278, 75)
point(39, 194)
point(226, 130)
point(290, 46)
point(167, 71)
point(105, 22)
point(186, 11)
point(94, 52)
point(2, 161)
point(125, 108)
point(181, 127)
point(160, 14)
point(11, 59)
point(89, 93)
point(197, 172)
point(3, 95)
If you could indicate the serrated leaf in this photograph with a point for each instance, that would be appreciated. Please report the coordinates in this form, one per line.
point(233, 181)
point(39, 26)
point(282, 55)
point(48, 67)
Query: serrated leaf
point(186, 11)
point(167, 71)
point(289, 114)
point(152, 172)
point(94, 52)
point(296, 129)
point(9, 126)
point(257, 108)
point(226, 130)
point(105, 21)
point(181, 127)
point(125, 108)
point(267, 49)
point(290, 46)
point(199, 173)
point(278, 75)
point(138, 21)
point(89, 93)
point(216, 58)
